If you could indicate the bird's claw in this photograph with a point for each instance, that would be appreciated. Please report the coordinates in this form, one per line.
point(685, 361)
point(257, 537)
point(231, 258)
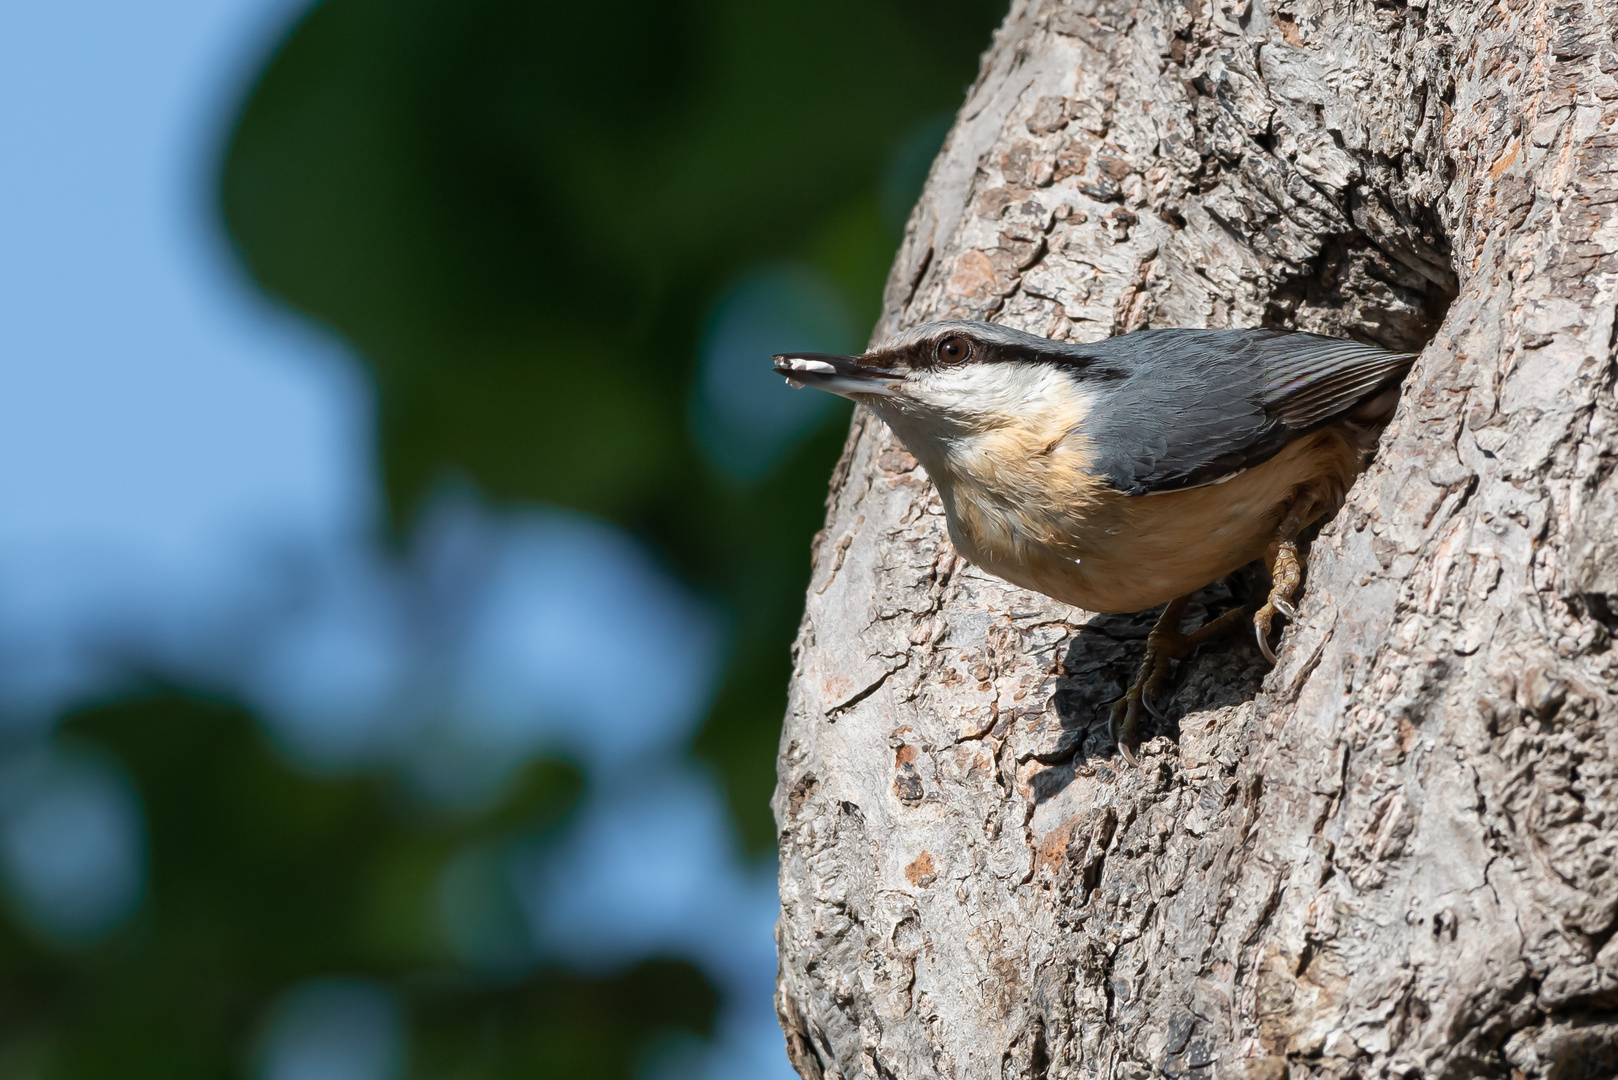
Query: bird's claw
point(1163, 644)
point(1261, 631)
point(1142, 694)
point(1121, 727)
point(1285, 572)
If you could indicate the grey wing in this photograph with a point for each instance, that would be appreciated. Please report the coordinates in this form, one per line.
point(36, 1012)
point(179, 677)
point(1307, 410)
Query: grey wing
point(1179, 408)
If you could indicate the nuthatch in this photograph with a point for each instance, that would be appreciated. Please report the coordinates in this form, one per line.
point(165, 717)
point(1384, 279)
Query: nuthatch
point(1122, 474)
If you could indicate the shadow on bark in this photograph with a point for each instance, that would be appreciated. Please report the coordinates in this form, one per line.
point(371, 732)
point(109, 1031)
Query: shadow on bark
point(1105, 655)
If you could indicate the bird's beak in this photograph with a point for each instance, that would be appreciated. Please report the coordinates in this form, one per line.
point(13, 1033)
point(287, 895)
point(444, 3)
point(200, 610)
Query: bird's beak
point(847, 376)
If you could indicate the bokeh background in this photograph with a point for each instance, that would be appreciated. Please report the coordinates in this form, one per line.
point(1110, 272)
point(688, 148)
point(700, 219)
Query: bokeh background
point(401, 535)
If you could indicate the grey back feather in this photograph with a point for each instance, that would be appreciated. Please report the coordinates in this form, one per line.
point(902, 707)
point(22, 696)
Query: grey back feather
point(1186, 407)
point(1178, 408)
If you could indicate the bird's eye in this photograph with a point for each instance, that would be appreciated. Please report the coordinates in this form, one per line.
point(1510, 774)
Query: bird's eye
point(952, 350)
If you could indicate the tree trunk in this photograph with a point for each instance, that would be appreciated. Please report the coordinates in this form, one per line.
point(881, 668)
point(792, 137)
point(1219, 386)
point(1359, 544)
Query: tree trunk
point(1394, 854)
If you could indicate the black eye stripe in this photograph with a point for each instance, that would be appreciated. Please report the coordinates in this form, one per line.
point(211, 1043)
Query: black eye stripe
point(931, 355)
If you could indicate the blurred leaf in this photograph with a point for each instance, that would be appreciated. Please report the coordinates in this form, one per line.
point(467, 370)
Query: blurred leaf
point(560, 1026)
point(263, 875)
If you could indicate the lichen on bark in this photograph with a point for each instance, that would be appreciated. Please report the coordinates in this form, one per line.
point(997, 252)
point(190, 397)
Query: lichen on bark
point(1392, 855)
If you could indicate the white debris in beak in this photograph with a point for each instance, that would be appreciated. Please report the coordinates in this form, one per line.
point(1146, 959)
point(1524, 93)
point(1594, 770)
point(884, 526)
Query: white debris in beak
point(808, 367)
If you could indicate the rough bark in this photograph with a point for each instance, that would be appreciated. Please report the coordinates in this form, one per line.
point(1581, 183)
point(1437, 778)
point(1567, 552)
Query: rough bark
point(1393, 854)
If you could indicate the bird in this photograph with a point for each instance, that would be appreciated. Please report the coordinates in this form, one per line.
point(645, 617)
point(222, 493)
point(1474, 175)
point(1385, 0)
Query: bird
point(1120, 474)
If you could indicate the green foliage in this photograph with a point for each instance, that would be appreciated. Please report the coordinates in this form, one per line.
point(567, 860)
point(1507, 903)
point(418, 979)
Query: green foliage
point(519, 214)
point(261, 876)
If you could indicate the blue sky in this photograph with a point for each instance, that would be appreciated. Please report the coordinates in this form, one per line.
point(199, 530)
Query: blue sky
point(187, 485)
point(158, 420)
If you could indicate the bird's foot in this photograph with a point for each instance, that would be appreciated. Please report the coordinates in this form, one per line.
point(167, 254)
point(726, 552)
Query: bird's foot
point(1164, 644)
point(1285, 572)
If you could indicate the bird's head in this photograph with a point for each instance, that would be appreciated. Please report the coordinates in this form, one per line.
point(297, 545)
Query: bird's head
point(945, 377)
